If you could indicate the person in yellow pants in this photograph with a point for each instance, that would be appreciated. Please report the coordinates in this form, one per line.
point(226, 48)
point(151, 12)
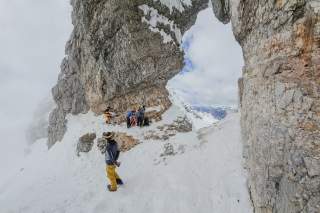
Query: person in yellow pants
point(113, 177)
point(112, 155)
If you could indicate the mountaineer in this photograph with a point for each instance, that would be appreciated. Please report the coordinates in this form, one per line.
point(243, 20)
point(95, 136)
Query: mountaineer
point(112, 155)
point(133, 118)
point(107, 115)
point(140, 115)
point(129, 114)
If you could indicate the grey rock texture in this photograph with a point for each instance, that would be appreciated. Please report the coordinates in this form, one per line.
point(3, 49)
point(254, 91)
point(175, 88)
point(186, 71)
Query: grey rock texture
point(57, 126)
point(102, 145)
point(166, 131)
point(221, 8)
point(280, 101)
point(168, 150)
point(122, 53)
point(117, 57)
point(125, 142)
point(85, 143)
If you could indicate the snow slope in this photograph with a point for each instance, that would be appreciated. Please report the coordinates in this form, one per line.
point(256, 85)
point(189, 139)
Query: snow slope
point(205, 174)
point(198, 119)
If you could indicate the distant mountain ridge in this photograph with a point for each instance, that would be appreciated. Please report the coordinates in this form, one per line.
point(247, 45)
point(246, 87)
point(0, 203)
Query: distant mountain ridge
point(217, 112)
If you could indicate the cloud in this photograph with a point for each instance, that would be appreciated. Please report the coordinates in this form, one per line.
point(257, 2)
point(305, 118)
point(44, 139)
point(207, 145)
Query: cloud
point(213, 63)
point(32, 39)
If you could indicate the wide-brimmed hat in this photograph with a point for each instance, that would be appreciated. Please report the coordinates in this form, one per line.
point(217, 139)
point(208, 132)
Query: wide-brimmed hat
point(108, 135)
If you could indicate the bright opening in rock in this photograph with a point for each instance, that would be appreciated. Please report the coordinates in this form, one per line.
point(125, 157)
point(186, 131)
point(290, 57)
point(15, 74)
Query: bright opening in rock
point(213, 62)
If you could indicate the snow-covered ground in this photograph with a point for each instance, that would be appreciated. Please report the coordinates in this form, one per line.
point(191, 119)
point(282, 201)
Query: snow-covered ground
point(205, 174)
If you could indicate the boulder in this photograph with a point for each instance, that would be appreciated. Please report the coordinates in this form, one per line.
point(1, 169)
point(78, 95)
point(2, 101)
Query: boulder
point(85, 143)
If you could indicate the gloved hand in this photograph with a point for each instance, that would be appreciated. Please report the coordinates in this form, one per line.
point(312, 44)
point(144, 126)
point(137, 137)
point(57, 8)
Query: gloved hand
point(118, 164)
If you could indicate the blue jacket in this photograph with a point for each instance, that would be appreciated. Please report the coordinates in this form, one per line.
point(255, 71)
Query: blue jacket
point(129, 114)
point(112, 152)
point(140, 113)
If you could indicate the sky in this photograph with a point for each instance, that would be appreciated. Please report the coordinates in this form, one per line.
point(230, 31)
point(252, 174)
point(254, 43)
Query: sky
point(213, 64)
point(32, 40)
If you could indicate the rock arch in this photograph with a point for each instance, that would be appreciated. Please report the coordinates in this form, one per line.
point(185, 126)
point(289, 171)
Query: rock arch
point(121, 50)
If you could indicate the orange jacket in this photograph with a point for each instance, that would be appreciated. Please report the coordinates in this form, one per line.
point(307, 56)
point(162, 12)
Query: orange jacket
point(107, 115)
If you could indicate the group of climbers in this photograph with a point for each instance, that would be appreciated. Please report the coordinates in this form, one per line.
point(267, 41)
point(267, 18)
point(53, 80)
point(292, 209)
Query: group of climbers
point(133, 117)
point(137, 118)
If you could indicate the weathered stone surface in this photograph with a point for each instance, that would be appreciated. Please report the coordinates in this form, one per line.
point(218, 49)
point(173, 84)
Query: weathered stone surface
point(155, 97)
point(85, 143)
point(313, 166)
point(168, 150)
point(125, 142)
point(102, 145)
point(116, 57)
point(221, 8)
point(280, 99)
point(116, 51)
point(164, 132)
point(57, 126)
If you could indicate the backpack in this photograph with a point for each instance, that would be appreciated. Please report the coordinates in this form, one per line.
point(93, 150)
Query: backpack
point(146, 121)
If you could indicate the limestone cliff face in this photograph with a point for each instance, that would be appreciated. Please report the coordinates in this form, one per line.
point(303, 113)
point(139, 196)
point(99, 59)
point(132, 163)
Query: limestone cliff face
point(280, 101)
point(120, 54)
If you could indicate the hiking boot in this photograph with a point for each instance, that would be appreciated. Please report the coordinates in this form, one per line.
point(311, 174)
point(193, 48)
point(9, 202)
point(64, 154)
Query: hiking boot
point(119, 181)
point(110, 189)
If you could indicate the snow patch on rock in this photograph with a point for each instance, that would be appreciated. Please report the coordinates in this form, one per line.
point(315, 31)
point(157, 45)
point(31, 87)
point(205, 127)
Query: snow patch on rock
point(178, 4)
point(154, 19)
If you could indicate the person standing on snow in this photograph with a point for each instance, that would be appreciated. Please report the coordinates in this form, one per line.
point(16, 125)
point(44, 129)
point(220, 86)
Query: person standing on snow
point(140, 116)
point(133, 118)
point(112, 155)
point(129, 114)
point(107, 115)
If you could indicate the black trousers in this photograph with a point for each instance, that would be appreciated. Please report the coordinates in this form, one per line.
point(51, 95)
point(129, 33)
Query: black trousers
point(140, 121)
point(128, 122)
